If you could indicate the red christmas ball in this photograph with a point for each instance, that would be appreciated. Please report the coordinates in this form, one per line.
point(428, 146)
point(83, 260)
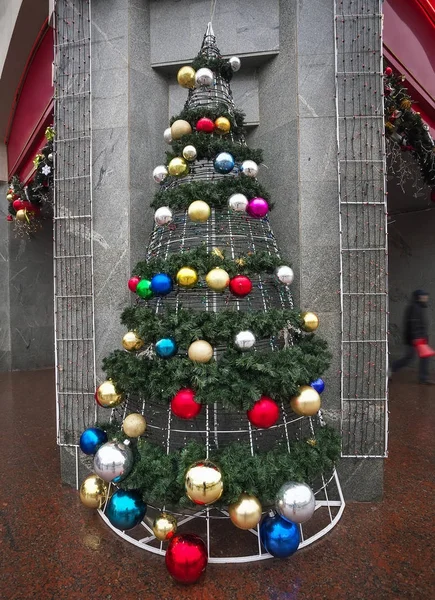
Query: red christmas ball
point(206, 125)
point(186, 557)
point(240, 285)
point(132, 283)
point(388, 71)
point(264, 413)
point(9, 218)
point(432, 195)
point(183, 404)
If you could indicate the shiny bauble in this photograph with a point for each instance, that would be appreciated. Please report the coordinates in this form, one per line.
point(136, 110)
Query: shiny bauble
point(178, 167)
point(264, 413)
point(217, 279)
point(160, 173)
point(187, 277)
point(113, 461)
point(205, 125)
point(388, 72)
point(91, 439)
point(180, 128)
point(134, 425)
point(164, 526)
point(249, 168)
point(125, 509)
point(183, 404)
point(279, 537)
point(163, 215)
point(132, 283)
point(161, 284)
point(203, 482)
point(306, 403)
point(93, 491)
point(199, 211)
point(257, 208)
point(235, 63)
point(167, 135)
point(143, 289)
point(22, 215)
point(310, 321)
point(166, 348)
point(189, 152)
point(132, 342)
point(186, 77)
point(244, 340)
point(246, 512)
point(238, 202)
point(204, 77)
point(295, 502)
point(222, 125)
point(240, 286)
point(186, 558)
point(285, 274)
point(107, 396)
point(9, 197)
point(318, 385)
point(200, 351)
point(224, 163)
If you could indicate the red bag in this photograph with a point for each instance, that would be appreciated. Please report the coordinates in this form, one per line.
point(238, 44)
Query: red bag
point(423, 348)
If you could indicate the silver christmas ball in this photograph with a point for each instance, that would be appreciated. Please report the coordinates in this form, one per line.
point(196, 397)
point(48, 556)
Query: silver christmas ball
point(189, 152)
point(238, 202)
point(295, 502)
point(249, 168)
point(113, 461)
point(163, 215)
point(244, 340)
point(160, 173)
point(285, 274)
point(50, 157)
point(204, 77)
point(235, 63)
point(167, 136)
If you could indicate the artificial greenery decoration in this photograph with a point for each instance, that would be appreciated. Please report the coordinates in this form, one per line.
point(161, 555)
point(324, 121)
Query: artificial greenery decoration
point(215, 193)
point(208, 147)
point(192, 116)
point(216, 64)
point(160, 476)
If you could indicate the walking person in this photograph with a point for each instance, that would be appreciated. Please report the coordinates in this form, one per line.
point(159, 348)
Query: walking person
point(415, 329)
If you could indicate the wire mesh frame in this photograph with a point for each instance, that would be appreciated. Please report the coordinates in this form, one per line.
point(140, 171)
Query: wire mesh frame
point(366, 413)
point(75, 369)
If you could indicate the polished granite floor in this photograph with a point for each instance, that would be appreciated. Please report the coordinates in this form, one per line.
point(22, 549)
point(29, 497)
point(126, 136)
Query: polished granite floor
point(53, 548)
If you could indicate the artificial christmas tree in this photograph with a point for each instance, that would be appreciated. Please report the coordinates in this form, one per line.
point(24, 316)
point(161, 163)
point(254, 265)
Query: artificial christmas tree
point(217, 363)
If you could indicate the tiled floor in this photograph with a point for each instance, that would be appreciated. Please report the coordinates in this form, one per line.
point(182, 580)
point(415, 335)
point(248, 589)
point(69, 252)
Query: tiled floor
point(54, 548)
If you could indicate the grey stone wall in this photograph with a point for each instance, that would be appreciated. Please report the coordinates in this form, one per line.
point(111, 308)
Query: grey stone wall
point(5, 329)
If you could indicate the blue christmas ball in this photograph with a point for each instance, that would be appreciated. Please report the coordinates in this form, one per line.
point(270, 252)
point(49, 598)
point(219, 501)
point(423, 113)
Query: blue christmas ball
point(125, 509)
point(166, 348)
point(91, 439)
point(224, 162)
point(161, 284)
point(318, 385)
point(279, 537)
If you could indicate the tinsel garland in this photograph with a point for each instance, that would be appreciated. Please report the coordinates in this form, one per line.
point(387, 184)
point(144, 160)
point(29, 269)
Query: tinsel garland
point(235, 380)
point(220, 66)
point(208, 147)
point(203, 261)
point(160, 476)
point(192, 115)
point(215, 193)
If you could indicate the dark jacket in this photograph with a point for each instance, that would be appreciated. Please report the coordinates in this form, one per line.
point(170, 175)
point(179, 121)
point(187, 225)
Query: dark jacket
point(416, 326)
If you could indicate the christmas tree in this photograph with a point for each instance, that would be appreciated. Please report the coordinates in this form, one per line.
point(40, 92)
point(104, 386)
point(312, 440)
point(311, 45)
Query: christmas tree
point(218, 386)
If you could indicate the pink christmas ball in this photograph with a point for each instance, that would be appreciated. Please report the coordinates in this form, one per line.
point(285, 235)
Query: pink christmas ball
point(257, 208)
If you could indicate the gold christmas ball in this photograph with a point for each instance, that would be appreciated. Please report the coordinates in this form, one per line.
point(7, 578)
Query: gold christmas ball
point(131, 341)
point(189, 152)
point(21, 215)
point(217, 279)
point(187, 277)
point(306, 403)
point(93, 491)
point(180, 128)
point(164, 526)
point(178, 167)
point(134, 425)
point(204, 482)
point(199, 211)
point(246, 512)
point(310, 321)
point(222, 125)
point(200, 351)
point(108, 396)
point(186, 77)
point(9, 197)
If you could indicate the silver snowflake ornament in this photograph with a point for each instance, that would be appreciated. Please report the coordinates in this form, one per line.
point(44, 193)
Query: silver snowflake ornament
point(46, 170)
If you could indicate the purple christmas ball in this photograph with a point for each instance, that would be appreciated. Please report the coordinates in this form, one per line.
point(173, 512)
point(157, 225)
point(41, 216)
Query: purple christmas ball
point(257, 208)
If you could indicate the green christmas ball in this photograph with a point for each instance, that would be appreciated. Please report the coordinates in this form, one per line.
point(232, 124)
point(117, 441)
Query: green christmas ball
point(143, 289)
